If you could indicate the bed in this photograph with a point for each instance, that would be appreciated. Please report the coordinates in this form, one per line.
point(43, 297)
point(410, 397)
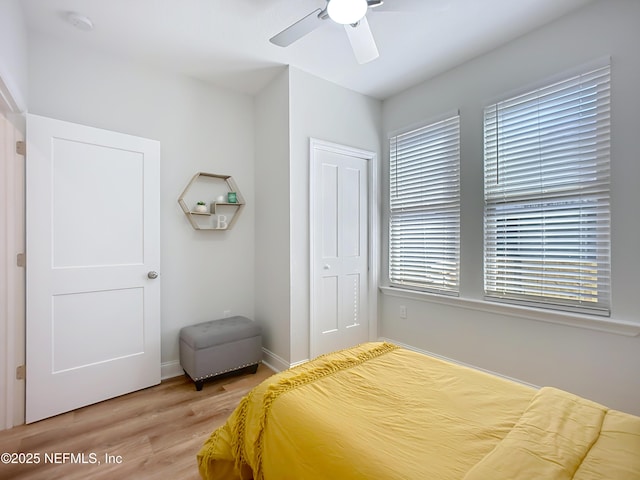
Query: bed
point(381, 412)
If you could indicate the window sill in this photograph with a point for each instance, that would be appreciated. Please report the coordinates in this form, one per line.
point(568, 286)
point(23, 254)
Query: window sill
point(560, 318)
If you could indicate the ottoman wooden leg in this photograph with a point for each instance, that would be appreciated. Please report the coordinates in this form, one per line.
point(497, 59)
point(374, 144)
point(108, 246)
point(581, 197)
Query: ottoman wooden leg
point(253, 368)
point(199, 384)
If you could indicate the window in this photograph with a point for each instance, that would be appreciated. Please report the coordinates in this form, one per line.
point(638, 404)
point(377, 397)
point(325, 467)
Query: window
point(424, 220)
point(547, 214)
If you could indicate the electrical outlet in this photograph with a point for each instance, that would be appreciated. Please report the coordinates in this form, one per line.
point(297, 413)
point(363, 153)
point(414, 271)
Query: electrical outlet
point(226, 313)
point(403, 311)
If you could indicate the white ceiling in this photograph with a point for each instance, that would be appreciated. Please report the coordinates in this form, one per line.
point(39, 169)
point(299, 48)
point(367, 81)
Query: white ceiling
point(226, 42)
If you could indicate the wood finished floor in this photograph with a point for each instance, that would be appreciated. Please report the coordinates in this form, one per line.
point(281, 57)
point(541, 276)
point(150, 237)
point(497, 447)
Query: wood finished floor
point(157, 432)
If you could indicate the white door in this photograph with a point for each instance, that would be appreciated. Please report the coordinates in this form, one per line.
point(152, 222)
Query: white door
point(339, 247)
point(93, 239)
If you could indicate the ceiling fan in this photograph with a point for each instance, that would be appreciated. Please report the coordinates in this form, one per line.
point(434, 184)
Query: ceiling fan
point(350, 13)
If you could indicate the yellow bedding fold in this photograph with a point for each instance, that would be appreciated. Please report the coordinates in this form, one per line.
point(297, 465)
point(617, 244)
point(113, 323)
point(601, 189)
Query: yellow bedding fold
point(616, 453)
point(372, 412)
point(561, 436)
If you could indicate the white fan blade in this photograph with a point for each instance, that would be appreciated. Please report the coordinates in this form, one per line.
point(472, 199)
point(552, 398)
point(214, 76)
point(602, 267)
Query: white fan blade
point(362, 42)
point(298, 29)
point(403, 5)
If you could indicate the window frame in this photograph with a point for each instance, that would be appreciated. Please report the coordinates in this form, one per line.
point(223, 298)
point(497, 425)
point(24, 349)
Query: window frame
point(602, 304)
point(443, 282)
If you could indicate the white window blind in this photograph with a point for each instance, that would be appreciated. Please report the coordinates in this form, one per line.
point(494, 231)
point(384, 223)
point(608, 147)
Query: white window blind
point(547, 214)
point(424, 220)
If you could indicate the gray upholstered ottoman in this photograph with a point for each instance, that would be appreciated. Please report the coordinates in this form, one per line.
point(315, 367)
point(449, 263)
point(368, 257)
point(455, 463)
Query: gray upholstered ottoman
point(220, 346)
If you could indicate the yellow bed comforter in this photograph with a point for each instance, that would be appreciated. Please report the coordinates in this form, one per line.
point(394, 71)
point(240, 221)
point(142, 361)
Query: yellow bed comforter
point(561, 436)
point(380, 412)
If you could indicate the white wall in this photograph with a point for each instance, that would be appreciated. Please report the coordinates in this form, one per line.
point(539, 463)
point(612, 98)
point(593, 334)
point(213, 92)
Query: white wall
point(325, 111)
point(272, 278)
point(598, 365)
point(293, 108)
point(201, 128)
point(13, 53)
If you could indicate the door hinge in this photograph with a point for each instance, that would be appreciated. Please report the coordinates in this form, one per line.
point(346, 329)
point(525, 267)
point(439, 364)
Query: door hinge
point(21, 148)
point(21, 372)
point(21, 260)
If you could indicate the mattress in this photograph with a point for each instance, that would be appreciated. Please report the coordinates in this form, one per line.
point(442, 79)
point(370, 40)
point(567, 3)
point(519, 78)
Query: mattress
point(381, 412)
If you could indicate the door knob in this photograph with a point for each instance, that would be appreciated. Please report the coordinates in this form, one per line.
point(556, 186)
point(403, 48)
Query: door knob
point(152, 275)
point(327, 266)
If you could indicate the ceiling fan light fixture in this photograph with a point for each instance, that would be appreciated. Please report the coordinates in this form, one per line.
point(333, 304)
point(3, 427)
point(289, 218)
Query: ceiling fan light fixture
point(347, 12)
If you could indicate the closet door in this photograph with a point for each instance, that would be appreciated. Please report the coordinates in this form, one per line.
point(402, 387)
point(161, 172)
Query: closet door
point(339, 247)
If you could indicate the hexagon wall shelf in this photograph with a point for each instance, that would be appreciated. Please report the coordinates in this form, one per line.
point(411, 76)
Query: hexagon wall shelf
point(217, 221)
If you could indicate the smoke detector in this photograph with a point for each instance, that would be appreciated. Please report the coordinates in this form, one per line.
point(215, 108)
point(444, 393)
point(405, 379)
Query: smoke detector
point(81, 22)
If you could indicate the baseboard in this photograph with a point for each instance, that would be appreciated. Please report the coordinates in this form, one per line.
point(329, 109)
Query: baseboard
point(170, 370)
point(300, 362)
point(270, 359)
point(273, 361)
point(451, 360)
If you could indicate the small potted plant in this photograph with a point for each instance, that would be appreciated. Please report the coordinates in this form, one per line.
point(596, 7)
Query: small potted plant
point(201, 207)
